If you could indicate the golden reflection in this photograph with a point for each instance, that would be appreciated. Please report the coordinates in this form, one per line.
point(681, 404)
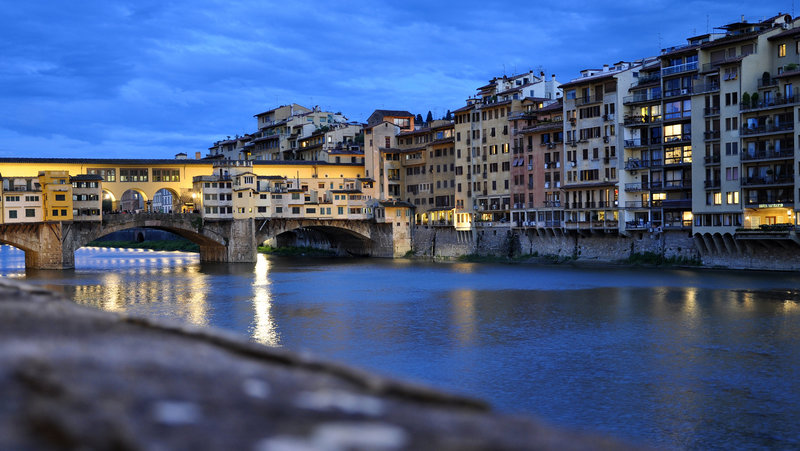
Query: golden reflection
point(690, 302)
point(198, 307)
point(463, 311)
point(113, 301)
point(790, 307)
point(264, 331)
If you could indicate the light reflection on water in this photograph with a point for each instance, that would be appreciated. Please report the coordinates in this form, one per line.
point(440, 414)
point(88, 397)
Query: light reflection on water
point(674, 358)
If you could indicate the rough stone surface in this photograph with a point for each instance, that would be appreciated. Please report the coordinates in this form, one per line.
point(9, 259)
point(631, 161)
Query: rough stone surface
point(77, 378)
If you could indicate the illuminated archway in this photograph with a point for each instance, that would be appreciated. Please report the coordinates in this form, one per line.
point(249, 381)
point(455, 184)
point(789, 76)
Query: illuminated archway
point(133, 200)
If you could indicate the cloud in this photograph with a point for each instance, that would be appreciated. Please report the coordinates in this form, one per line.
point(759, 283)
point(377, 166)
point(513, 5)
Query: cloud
point(156, 78)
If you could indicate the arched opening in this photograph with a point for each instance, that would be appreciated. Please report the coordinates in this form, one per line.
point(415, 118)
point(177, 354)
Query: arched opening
point(159, 238)
point(109, 202)
point(320, 240)
point(133, 201)
point(166, 200)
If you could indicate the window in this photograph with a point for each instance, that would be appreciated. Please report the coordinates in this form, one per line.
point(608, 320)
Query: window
point(109, 175)
point(133, 175)
point(30, 212)
point(732, 197)
point(781, 50)
point(55, 212)
point(12, 214)
point(166, 175)
point(61, 197)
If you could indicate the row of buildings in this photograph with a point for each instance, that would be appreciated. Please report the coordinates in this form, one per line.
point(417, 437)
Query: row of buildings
point(50, 196)
point(701, 137)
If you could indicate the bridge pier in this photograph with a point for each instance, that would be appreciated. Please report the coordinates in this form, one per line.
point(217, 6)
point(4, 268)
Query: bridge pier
point(241, 246)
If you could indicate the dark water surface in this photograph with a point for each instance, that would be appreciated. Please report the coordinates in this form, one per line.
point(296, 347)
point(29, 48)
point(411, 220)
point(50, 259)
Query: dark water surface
point(670, 358)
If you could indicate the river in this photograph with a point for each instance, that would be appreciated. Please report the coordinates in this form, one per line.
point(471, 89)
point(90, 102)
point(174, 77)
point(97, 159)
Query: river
point(692, 359)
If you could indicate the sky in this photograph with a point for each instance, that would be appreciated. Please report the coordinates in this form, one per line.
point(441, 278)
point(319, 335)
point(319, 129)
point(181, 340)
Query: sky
point(149, 79)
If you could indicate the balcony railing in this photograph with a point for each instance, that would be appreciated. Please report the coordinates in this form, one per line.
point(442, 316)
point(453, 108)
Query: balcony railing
point(641, 97)
point(711, 135)
point(678, 68)
point(637, 204)
point(780, 128)
point(677, 139)
point(597, 98)
point(768, 154)
point(767, 82)
point(633, 121)
point(768, 180)
point(771, 103)
point(712, 184)
point(646, 80)
point(678, 92)
point(633, 164)
point(677, 184)
point(711, 111)
point(677, 203)
point(637, 225)
point(712, 159)
point(633, 187)
point(702, 88)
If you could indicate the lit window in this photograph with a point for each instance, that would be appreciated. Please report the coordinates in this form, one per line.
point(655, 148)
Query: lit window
point(781, 50)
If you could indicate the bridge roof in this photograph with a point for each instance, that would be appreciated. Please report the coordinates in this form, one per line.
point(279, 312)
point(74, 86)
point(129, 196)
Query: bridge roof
point(161, 161)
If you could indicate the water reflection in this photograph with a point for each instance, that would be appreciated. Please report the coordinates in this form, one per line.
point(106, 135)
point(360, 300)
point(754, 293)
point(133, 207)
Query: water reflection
point(264, 330)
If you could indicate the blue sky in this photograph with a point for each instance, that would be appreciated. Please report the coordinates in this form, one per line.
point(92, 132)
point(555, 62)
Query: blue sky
point(154, 78)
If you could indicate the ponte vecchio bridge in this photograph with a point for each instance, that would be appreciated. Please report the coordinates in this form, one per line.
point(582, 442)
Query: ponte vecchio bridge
point(51, 244)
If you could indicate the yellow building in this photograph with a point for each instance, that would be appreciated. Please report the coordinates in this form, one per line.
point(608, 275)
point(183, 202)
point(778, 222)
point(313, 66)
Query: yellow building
point(56, 195)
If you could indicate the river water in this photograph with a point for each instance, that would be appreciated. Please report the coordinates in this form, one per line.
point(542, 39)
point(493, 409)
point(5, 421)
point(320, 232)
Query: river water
point(668, 358)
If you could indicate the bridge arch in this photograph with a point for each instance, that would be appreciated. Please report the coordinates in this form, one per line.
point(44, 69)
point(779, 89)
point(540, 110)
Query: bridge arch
point(342, 236)
point(133, 200)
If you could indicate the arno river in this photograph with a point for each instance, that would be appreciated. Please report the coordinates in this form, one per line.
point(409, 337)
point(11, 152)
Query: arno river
point(670, 358)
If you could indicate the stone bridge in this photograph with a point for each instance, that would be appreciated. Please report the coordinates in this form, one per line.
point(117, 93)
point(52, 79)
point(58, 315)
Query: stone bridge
point(52, 245)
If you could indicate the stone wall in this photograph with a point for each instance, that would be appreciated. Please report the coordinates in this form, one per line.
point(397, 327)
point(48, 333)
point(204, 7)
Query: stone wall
point(774, 256)
point(444, 242)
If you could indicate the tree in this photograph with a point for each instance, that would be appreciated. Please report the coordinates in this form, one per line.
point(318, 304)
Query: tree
point(448, 116)
point(418, 119)
point(746, 100)
point(429, 117)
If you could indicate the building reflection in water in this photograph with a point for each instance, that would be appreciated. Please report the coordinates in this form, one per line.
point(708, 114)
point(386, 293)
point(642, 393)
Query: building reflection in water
point(463, 316)
point(264, 330)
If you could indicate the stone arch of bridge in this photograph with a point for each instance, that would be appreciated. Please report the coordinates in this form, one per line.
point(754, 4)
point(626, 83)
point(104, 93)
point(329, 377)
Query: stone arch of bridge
point(148, 190)
point(347, 240)
point(205, 237)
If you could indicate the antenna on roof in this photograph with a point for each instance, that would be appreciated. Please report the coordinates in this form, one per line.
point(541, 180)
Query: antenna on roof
point(707, 29)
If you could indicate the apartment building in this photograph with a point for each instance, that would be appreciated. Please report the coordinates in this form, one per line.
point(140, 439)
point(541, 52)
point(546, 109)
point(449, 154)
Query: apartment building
point(483, 146)
point(381, 158)
point(234, 191)
point(278, 134)
point(427, 159)
point(750, 74)
point(536, 171)
point(331, 141)
point(86, 197)
point(591, 158)
point(56, 195)
point(22, 200)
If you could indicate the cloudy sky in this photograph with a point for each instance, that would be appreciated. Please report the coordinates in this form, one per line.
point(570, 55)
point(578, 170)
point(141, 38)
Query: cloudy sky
point(148, 78)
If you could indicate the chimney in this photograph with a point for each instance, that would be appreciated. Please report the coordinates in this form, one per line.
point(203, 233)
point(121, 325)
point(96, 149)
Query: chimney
point(180, 156)
point(197, 155)
point(553, 77)
point(605, 67)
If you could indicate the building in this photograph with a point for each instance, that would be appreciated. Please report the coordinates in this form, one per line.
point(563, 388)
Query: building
point(22, 200)
point(86, 197)
point(591, 161)
point(56, 195)
point(536, 171)
point(381, 159)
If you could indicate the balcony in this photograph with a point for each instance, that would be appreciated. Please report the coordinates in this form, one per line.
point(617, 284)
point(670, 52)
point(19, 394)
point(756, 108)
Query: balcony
point(678, 92)
point(767, 82)
point(703, 88)
point(767, 129)
point(652, 79)
point(679, 68)
point(707, 112)
point(639, 121)
point(768, 180)
point(712, 184)
point(711, 135)
point(685, 138)
point(641, 97)
point(634, 187)
point(677, 204)
point(778, 102)
point(637, 225)
point(769, 202)
point(768, 154)
point(597, 98)
point(633, 204)
point(677, 184)
point(712, 159)
point(634, 164)
point(634, 143)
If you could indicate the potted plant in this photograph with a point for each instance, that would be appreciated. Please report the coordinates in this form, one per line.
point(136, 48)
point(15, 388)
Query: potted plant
point(754, 100)
point(745, 100)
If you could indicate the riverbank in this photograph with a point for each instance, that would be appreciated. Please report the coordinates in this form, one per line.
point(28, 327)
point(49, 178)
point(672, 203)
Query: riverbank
point(296, 251)
point(76, 377)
